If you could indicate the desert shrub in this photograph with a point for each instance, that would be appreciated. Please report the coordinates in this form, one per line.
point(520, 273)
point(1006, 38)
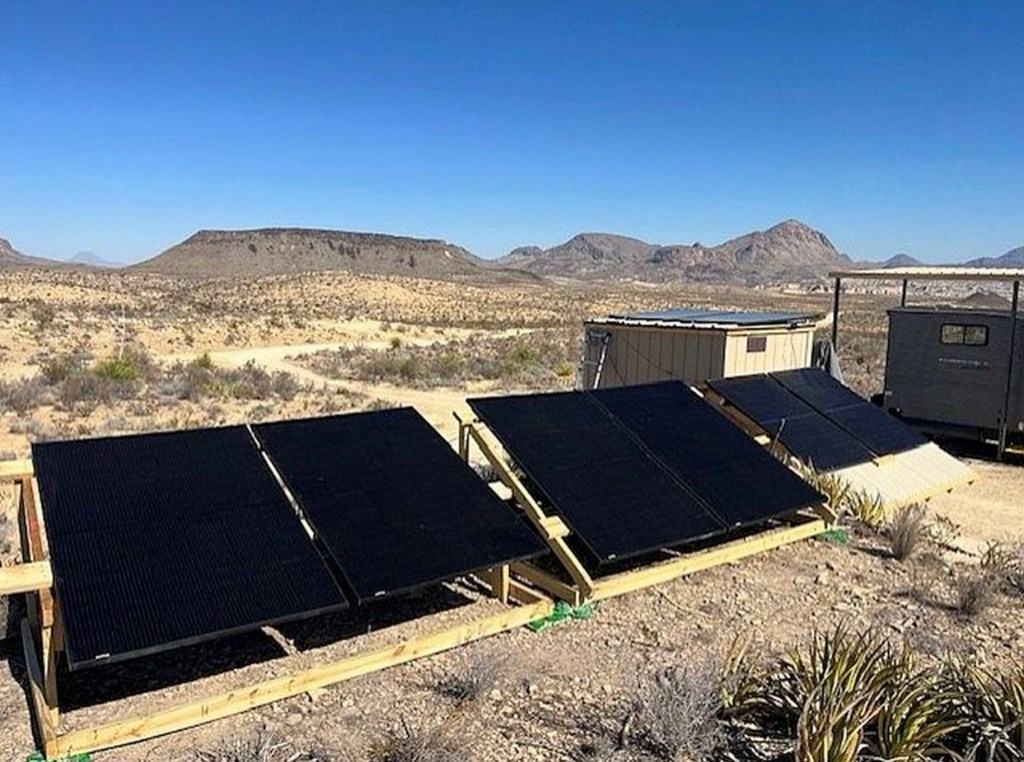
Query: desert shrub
point(476, 677)
point(675, 717)
point(906, 531)
point(1005, 563)
point(24, 395)
point(57, 368)
point(975, 592)
point(850, 696)
point(537, 359)
point(263, 748)
point(133, 364)
point(441, 743)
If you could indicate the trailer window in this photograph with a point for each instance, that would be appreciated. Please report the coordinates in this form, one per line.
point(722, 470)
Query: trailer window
point(971, 335)
point(757, 343)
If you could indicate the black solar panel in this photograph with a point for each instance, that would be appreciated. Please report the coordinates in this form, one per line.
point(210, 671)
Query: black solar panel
point(878, 430)
point(800, 428)
point(394, 504)
point(740, 481)
point(617, 499)
point(161, 540)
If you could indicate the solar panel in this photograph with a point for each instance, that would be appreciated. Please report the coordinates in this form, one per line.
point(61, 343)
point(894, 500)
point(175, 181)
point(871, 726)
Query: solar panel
point(162, 540)
point(878, 430)
point(394, 504)
point(618, 500)
point(740, 481)
point(800, 428)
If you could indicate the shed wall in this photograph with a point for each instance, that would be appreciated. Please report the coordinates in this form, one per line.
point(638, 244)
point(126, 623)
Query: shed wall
point(784, 350)
point(642, 354)
point(953, 383)
point(639, 354)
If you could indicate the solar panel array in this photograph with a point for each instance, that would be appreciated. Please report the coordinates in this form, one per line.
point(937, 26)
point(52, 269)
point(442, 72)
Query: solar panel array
point(817, 418)
point(162, 540)
point(394, 504)
point(634, 469)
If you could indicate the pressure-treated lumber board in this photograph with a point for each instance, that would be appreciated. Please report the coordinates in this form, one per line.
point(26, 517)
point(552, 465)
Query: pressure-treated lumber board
point(34, 549)
point(554, 533)
point(26, 578)
point(46, 716)
point(625, 582)
point(15, 470)
point(548, 582)
point(243, 699)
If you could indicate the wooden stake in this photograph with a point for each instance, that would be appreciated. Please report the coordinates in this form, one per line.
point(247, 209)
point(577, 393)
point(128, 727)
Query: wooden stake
point(46, 716)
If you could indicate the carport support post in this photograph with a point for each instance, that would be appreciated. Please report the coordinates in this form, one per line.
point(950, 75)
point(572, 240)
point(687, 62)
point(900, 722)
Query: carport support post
point(835, 314)
point(1005, 423)
point(903, 294)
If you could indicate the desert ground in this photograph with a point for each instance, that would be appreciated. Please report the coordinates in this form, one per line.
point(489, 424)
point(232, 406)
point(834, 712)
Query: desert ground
point(87, 353)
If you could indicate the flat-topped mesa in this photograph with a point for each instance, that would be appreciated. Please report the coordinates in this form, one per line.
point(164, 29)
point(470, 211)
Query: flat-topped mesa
point(273, 251)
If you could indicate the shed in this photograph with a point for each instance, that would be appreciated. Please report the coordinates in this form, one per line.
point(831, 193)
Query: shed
point(692, 345)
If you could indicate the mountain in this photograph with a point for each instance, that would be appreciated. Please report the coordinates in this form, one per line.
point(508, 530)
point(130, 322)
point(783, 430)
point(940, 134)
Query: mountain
point(11, 258)
point(581, 256)
point(1012, 258)
point(273, 251)
point(92, 259)
point(788, 251)
point(901, 260)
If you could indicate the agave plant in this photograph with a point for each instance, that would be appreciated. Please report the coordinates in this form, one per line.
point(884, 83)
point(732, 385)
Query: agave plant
point(990, 706)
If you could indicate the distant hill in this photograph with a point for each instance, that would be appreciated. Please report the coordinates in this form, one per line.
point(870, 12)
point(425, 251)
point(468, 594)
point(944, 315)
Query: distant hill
point(1012, 258)
point(11, 258)
point(983, 299)
point(901, 260)
point(789, 250)
point(91, 259)
point(272, 251)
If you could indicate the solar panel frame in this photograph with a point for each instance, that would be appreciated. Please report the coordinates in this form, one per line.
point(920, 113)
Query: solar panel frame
point(394, 505)
point(145, 529)
point(739, 481)
point(612, 516)
point(874, 427)
point(803, 431)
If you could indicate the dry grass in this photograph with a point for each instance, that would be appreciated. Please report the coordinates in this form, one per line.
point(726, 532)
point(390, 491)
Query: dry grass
point(441, 743)
point(265, 748)
point(975, 592)
point(477, 675)
point(907, 530)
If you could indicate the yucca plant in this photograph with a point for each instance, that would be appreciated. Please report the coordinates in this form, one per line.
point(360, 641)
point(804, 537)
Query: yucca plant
point(913, 720)
point(866, 508)
point(991, 706)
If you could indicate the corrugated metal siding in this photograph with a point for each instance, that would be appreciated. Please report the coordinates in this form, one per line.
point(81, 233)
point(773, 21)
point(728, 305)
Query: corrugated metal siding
point(952, 383)
point(908, 477)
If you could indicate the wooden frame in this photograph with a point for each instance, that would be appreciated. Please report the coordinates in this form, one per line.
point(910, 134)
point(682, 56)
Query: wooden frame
point(43, 641)
point(584, 586)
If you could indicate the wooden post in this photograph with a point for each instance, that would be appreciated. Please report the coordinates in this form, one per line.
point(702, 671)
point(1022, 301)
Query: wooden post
point(551, 528)
point(903, 294)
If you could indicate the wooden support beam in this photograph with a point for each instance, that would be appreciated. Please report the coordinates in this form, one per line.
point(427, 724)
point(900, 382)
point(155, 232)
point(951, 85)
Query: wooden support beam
point(15, 470)
point(26, 578)
point(47, 717)
point(625, 582)
point(499, 579)
point(233, 702)
point(548, 582)
point(553, 533)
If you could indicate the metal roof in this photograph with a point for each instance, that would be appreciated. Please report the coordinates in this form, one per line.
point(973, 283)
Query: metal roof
point(717, 318)
point(1005, 274)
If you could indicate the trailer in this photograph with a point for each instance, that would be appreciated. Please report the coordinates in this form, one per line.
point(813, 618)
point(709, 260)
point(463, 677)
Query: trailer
point(692, 345)
point(947, 371)
point(952, 371)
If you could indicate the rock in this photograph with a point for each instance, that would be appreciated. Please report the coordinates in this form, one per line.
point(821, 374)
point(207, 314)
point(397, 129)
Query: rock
point(293, 719)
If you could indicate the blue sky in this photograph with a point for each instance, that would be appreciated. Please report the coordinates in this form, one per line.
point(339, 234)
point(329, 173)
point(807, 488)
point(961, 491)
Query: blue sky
point(891, 126)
